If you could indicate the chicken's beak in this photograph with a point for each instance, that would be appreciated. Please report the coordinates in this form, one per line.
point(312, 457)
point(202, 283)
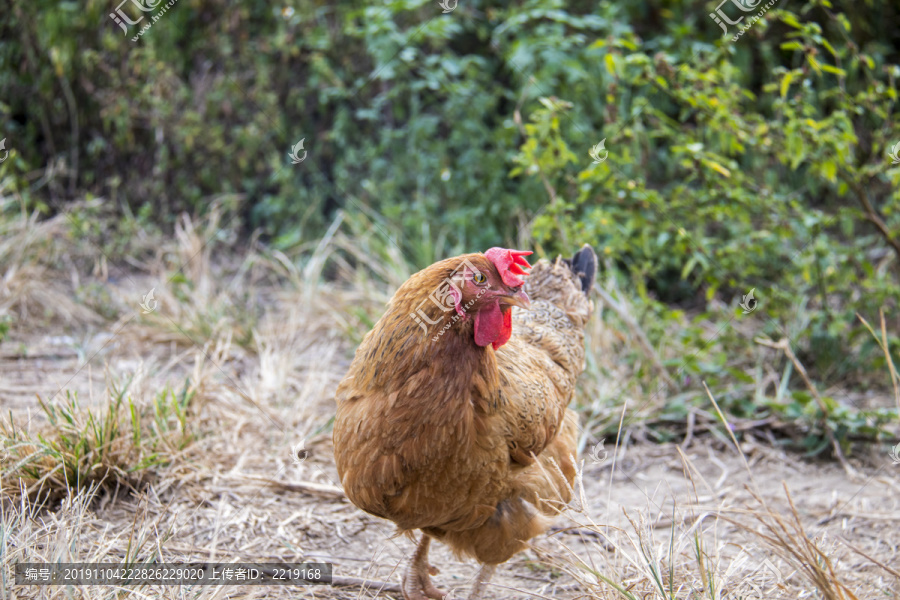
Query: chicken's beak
point(519, 299)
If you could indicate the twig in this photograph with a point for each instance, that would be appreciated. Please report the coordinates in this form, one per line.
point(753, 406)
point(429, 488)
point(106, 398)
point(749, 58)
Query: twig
point(693, 428)
point(689, 435)
point(857, 515)
point(883, 343)
point(873, 216)
point(784, 346)
point(893, 572)
point(307, 487)
point(733, 438)
point(668, 522)
point(581, 531)
point(384, 586)
point(612, 471)
point(521, 591)
point(73, 145)
point(635, 328)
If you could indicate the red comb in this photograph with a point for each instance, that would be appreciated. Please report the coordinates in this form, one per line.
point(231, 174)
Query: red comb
point(509, 263)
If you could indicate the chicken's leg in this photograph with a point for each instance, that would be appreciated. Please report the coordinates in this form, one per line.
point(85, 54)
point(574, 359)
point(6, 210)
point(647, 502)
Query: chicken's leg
point(481, 581)
point(416, 580)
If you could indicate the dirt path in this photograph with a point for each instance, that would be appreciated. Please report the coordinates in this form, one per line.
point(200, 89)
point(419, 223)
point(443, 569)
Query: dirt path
point(236, 493)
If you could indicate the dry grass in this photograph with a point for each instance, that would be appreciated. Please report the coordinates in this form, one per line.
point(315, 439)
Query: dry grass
point(31, 251)
point(786, 536)
point(116, 445)
point(235, 370)
point(702, 547)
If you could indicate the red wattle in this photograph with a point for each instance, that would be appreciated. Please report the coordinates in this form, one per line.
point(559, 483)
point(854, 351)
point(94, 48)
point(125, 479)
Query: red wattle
point(493, 326)
point(505, 331)
point(488, 324)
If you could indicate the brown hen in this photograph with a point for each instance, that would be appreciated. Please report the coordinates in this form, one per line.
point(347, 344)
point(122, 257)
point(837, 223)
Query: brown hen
point(453, 416)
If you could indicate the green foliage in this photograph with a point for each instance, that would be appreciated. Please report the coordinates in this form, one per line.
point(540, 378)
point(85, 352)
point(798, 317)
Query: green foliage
point(756, 162)
point(5, 322)
point(758, 167)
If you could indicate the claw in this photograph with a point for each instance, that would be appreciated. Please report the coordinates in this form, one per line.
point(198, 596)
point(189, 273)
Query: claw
point(418, 588)
point(416, 581)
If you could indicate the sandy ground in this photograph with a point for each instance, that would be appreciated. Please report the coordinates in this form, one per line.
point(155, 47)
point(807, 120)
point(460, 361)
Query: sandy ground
point(237, 493)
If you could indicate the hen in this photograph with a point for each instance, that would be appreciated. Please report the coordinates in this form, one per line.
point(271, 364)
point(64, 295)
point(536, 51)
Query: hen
point(452, 418)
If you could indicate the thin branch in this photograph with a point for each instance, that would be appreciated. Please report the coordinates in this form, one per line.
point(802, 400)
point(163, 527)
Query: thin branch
point(642, 339)
point(873, 216)
point(893, 572)
point(384, 586)
point(885, 347)
point(785, 346)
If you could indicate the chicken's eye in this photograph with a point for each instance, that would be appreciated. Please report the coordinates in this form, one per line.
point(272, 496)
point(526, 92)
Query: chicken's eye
point(479, 278)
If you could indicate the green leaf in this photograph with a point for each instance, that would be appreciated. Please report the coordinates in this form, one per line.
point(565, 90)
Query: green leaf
point(813, 63)
point(786, 83)
point(718, 168)
point(610, 62)
point(792, 46)
point(834, 70)
point(791, 20)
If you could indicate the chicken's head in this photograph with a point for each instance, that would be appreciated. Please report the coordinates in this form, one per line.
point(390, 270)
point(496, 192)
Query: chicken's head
point(488, 289)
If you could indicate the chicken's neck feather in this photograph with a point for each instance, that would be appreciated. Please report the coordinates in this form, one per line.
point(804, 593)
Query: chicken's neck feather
point(436, 353)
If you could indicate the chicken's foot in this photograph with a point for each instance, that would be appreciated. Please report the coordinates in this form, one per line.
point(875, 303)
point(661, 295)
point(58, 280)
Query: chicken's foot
point(416, 580)
point(481, 581)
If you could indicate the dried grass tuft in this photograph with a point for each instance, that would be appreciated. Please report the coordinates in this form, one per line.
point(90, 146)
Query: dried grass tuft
point(81, 447)
point(786, 536)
